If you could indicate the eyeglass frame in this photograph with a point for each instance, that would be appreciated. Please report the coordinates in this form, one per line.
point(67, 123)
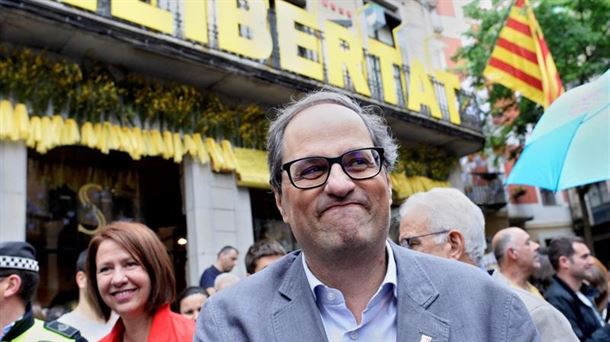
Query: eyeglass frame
point(408, 239)
point(331, 162)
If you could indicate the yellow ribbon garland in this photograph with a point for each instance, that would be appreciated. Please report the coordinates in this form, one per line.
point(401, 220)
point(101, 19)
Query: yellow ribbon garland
point(46, 132)
point(43, 133)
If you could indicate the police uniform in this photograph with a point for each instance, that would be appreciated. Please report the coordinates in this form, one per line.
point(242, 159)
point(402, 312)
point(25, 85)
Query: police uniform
point(19, 255)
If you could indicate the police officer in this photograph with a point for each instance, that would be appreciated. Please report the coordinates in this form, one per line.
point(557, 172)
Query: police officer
point(18, 282)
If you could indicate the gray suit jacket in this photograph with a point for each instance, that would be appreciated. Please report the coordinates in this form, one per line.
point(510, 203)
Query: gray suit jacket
point(444, 299)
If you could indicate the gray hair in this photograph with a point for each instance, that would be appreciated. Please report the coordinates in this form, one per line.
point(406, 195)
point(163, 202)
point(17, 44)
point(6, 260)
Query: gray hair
point(501, 245)
point(370, 115)
point(225, 280)
point(449, 208)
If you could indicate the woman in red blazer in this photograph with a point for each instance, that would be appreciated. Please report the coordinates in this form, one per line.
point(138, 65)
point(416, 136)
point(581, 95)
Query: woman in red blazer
point(129, 272)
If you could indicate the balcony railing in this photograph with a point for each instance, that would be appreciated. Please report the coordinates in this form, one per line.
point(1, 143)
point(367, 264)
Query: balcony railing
point(486, 190)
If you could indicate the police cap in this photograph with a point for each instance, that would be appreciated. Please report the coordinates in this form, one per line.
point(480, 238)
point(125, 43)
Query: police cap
point(18, 255)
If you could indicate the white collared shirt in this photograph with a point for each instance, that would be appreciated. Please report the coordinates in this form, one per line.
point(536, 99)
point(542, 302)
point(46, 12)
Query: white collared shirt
point(378, 318)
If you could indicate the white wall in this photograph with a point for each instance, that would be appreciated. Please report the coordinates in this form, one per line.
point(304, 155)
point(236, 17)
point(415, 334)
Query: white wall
point(13, 195)
point(218, 213)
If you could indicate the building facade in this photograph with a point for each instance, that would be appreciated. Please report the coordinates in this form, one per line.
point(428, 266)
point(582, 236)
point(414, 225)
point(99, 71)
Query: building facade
point(155, 111)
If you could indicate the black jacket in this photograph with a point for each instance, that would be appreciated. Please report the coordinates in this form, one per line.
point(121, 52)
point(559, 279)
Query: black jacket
point(582, 318)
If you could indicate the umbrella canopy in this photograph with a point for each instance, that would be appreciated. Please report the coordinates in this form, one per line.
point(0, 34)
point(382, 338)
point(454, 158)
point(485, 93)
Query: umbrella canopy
point(570, 145)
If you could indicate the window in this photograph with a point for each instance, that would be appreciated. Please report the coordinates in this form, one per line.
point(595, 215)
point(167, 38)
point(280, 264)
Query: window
point(381, 22)
point(73, 190)
point(548, 197)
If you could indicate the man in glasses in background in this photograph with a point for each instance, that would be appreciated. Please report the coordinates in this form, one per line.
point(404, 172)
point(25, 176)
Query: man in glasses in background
point(443, 222)
point(329, 162)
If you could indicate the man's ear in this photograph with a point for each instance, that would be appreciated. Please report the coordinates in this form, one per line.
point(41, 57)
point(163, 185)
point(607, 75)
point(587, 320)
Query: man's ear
point(456, 242)
point(512, 254)
point(12, 285)
point(563, 261)
point(278, 204)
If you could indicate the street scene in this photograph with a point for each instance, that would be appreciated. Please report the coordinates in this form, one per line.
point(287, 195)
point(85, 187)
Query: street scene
point(167, 170)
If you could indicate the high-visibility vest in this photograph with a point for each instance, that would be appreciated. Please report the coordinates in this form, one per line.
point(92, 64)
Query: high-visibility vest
point(41, 332)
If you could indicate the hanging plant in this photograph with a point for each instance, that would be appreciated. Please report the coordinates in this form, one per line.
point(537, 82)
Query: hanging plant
point(428, 161)
point(94, 92)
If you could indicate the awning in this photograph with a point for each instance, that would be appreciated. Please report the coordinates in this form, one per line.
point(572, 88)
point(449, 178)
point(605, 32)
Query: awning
point(252, 170)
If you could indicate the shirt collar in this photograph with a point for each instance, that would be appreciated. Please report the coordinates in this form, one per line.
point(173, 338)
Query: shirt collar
point(390, 274)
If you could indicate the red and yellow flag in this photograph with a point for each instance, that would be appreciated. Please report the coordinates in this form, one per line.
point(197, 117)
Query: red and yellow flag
point(521, 59)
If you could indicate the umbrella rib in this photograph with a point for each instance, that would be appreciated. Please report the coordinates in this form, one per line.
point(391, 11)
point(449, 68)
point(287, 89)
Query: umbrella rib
point(563, 162)
point(599, 111)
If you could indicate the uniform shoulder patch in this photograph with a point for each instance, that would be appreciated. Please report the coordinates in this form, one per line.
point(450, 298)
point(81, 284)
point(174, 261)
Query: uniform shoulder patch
point(62, 329)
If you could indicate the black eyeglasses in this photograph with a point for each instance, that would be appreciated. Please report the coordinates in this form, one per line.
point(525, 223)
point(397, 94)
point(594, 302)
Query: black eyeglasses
point(312, 172)
point(408, 242)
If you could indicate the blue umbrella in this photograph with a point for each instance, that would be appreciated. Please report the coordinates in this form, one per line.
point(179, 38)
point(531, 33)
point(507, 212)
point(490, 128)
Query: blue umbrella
point(570, 145)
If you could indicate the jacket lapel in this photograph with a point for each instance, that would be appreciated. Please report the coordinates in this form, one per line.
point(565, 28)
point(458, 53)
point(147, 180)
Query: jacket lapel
point(415, 294)
point(295, 313)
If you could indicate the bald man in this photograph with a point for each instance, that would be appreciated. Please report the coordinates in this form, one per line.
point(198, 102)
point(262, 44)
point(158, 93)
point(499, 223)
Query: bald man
point(518, 258)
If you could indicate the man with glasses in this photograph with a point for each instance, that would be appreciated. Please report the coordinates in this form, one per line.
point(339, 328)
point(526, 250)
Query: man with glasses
point(329, 163)
point(445, 223)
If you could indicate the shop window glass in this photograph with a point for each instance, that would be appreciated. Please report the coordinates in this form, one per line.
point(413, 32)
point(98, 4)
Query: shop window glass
point(73, 191)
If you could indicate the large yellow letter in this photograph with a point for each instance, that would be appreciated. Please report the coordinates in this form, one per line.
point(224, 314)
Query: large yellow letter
point(421, 91)
point(231, 18)
point(89, 5)
point(451, 83)
point(139, 12)
point(196, 20)
point(388, 57)
point(350, 58)
point(290, 39)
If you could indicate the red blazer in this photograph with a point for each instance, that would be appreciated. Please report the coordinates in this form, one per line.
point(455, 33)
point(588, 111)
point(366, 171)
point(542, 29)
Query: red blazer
point(166, 326)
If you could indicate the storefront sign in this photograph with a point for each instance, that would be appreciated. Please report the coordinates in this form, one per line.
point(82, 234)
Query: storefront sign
point(84, 197)
point(245, 31)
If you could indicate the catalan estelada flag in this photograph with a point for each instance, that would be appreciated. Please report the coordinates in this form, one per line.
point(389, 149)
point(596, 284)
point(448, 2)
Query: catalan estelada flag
point(521, 59)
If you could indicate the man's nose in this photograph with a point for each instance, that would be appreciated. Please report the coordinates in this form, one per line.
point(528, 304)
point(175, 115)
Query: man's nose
point(536, 246)
point(339, 183)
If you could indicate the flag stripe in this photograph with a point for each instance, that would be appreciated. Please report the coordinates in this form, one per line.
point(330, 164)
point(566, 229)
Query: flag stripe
point(517, 73)
point(509, 81)
point(519, 26)
point(518, 39)
point(519, 15)
point(518, 50)
point(532, 69)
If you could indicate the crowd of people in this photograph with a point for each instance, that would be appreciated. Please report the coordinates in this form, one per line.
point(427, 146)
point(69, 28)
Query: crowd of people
point(329, 162)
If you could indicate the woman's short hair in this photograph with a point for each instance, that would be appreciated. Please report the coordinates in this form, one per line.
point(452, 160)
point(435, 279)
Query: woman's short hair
point(144, 246)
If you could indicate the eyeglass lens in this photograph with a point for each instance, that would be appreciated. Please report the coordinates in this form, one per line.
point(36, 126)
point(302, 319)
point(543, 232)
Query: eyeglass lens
point(358, 164)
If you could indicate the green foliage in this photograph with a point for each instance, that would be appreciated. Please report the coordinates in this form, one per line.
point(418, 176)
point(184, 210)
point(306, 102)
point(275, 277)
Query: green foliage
point(576, 32)
point(424, 160)
point(96, 92)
